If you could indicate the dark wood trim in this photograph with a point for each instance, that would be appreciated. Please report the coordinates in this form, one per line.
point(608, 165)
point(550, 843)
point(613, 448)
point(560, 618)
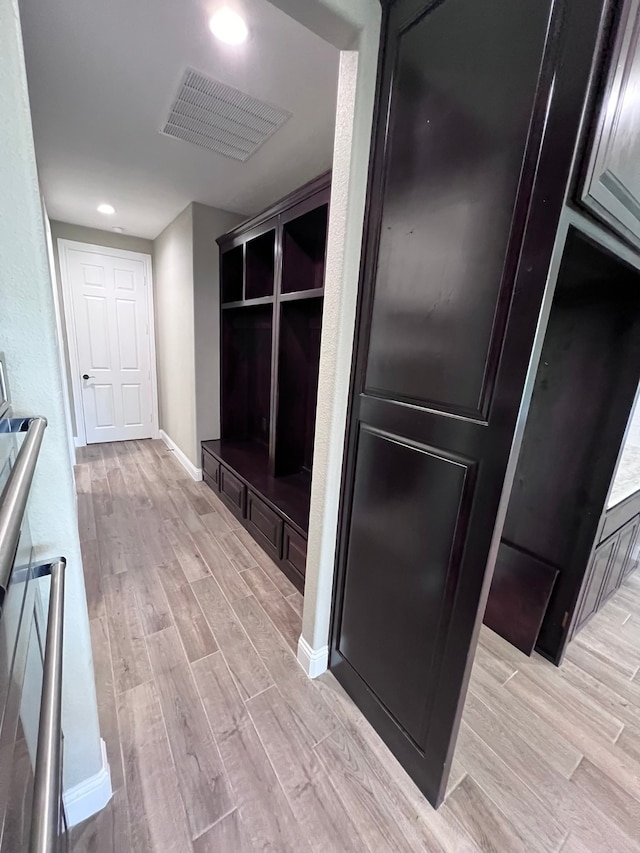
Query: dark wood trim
point(302, 294)
point(247, 303)
point(275, 348)
point(238, 235)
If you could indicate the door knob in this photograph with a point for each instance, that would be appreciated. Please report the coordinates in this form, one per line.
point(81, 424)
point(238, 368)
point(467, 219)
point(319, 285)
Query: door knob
point(86, 376)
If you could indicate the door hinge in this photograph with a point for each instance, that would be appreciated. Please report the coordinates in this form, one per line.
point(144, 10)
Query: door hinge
point(565, 619)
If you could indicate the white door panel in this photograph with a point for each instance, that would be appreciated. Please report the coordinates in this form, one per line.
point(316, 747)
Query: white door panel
point(102, 407)
point(112, 338)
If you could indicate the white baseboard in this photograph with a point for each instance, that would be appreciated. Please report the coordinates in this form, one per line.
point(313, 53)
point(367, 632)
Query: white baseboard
point(187, 464)
point(313, 661)
point(79, 442)
point(88, 797)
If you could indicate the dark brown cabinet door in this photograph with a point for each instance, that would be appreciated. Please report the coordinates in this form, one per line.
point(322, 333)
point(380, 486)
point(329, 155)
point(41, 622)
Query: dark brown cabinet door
point(233, 492)
point(265, 525)
point(294, 551)
point(626, 541)
point(602, 562)
point(450, 291)
point(612, 186)
point(631, 561)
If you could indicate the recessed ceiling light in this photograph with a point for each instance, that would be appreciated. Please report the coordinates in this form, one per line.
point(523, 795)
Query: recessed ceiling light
point(107, 209)
point(228, 26)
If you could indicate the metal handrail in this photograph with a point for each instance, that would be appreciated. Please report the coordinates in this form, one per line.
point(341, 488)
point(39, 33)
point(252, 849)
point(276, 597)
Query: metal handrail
point(13, 500)
point(46, 816)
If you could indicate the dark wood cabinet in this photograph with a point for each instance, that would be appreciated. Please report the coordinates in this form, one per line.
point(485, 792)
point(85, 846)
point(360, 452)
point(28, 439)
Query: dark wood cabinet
point(611, 189)
point(478, 112)
point(272, 287)
point(613, 560)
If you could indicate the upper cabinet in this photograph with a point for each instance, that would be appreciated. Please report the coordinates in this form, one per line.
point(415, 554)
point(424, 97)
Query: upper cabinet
point(612, 186)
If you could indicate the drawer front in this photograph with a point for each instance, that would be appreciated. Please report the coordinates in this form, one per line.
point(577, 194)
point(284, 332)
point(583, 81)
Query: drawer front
point(264, 524)
point(210, 470)
point(294, 551)
point(233, 492)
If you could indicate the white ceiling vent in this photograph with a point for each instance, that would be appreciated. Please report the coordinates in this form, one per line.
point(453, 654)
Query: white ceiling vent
point(215, 116)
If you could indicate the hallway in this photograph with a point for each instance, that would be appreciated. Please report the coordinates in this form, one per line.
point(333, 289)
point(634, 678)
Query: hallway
point(217, 741)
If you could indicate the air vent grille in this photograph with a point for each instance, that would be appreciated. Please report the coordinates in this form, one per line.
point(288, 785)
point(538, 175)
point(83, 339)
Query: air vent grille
point(217, 117)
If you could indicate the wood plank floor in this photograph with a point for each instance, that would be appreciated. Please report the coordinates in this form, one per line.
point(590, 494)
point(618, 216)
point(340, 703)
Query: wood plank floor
point(217, 741)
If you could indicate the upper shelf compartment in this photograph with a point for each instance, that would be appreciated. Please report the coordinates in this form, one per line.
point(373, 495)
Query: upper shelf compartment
point(304, 241)
point(260, 266)
point(232, 275)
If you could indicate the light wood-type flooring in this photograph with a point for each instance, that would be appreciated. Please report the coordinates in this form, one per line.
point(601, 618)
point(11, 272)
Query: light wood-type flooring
point(217, 741)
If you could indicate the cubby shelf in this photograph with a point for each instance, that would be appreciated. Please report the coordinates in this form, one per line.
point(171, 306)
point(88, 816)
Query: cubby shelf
point(248, 303)
point(298, 295)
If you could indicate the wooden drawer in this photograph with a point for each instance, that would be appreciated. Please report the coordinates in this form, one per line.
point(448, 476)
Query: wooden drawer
point(265, 525)
point(294, 551)
point(233, 492)
point(210, 470)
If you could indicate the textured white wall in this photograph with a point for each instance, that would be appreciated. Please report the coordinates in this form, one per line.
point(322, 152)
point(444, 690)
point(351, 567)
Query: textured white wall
point(173, 289)
point(208, 224)
point(356, 91)
point(187, 300)
point(28, 337)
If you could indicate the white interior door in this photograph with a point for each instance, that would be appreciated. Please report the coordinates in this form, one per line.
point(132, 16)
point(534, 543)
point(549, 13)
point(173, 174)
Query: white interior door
point(112, 335)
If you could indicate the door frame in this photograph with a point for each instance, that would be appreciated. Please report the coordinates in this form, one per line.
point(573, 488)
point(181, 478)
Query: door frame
point(64, 246)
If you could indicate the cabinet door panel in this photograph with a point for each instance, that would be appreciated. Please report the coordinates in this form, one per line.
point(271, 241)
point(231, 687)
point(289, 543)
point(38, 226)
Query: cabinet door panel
point(612, 186)
point(623, 557)
point(265, 525)
point(211, 470)
point(294, 550)
point(437, 310)
point(233, 491)
point(397, 584)
point(631, 561)
point(601, 562)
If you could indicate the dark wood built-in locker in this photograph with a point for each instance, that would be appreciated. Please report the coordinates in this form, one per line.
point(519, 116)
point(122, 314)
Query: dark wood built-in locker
point(272, 288)
point(568, 542)
point(478, 110)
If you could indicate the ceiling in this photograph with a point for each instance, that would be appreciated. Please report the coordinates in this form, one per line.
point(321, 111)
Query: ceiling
point(103, 75)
